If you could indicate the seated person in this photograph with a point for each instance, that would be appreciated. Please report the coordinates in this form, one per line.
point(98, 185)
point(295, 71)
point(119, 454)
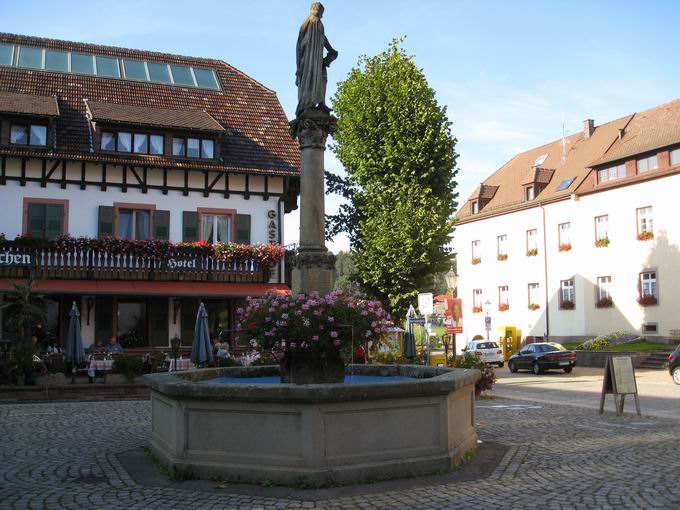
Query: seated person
point(98, 348)
point(222, 350)
point(114, 347)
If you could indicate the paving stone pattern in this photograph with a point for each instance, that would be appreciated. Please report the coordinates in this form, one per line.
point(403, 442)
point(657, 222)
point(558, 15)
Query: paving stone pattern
point(65, 455)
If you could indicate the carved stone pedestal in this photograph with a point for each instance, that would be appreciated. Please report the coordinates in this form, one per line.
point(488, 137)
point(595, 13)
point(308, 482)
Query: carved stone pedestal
point(314, 267)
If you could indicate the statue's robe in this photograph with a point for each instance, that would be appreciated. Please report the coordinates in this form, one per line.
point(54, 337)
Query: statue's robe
point(310, 77)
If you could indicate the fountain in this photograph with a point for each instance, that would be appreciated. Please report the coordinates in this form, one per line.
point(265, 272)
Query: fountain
point(244, 423)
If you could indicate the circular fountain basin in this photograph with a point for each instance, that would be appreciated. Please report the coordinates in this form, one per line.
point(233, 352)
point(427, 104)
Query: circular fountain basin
point(385, 421)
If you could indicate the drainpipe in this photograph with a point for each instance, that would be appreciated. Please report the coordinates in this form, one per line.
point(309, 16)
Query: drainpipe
point(279, 226)
point(545, 275)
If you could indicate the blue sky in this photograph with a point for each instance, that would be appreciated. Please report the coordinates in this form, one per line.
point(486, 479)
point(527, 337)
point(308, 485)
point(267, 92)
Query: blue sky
point(508, 72)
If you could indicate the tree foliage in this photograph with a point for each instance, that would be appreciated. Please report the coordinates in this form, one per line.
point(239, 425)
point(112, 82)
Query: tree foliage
point(395, 144)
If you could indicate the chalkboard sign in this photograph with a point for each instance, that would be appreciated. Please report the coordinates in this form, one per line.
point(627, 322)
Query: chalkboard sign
point(619, 380)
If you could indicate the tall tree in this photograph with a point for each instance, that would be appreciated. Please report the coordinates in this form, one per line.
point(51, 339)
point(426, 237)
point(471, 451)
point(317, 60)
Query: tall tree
point(395, 143)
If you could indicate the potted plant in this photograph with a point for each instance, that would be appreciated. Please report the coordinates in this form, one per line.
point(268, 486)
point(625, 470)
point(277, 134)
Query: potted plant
point(311, 336)
point(488, 378)
point(502, 256)
point(476, 309)
point(605, 302)
point(502, 307)
point(565, 247)
point(532, 252)
point(129, 366)
point(476, 260)
point(647, 300)
point(533, 306)
point(602, 242)
point(567, 305)
point(645, 235)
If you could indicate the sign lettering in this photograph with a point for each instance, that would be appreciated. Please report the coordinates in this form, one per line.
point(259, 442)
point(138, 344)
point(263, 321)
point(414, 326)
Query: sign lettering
point(619, 380)
point(15, 259)
point(272, 230)
point(181, 264)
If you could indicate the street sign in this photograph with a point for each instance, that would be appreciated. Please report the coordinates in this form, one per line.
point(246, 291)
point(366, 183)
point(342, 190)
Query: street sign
point(417, 320)
point(487, 323)
point(425, 303)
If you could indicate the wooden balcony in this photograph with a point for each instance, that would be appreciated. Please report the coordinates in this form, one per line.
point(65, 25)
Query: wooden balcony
point(98, 265)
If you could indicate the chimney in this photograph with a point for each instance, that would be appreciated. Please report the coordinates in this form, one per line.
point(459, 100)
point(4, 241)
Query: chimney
point(588, 128)
point(621, 133)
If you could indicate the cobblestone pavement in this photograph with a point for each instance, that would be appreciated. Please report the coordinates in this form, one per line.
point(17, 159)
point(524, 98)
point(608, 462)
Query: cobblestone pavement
point(65, 456)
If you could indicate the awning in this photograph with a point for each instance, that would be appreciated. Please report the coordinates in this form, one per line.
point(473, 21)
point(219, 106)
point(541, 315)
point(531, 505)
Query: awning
point(136, 288)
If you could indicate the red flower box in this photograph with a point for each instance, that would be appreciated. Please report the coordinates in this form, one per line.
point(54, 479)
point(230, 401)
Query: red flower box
point(647, 300)
point(533, 306)
point(567, 305)
point(605, 302)
point(603, 242)
point(476, 309)
point(503, 307)
point(476, 261)
point(565, 247)
point(502, 256)
point(532, 253)
point(645, 236)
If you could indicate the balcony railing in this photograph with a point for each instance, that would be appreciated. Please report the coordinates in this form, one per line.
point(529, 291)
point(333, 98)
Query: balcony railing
point(101, 265)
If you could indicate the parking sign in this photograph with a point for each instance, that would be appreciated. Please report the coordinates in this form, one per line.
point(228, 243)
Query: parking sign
point(487, 323)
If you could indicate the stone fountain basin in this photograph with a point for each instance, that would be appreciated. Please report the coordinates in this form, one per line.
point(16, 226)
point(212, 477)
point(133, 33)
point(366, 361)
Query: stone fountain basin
point(313, 435)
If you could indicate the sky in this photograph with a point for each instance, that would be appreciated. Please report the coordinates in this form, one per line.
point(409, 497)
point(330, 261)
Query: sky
point(512, 75)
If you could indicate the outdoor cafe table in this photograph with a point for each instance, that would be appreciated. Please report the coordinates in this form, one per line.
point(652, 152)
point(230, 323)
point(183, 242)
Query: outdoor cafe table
point(101, 365)
point(182, 364)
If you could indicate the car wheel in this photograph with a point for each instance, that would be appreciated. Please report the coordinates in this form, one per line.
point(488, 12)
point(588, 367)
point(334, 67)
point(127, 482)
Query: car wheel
point(512, 367)
point(536, 368)
point(500, 365)
point(569, 369)
point(676, 375)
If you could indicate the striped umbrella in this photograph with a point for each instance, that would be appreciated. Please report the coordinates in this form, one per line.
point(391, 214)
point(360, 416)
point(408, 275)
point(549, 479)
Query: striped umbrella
point(201, 349)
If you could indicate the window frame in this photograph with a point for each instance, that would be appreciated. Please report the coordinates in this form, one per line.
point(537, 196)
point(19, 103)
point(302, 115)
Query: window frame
point(607, 171)
point(649, 271)
point(529, 193)
point(572, 291)
point(646, 161)
point(537, 286)
point(674, 156)
point(599, 288)
point(560, 240)
point(118, 206)
point(502, 241)
point(48, 201)
point(598, 236)
point(211, 211)
point(475, 207)
point(535, 236)
point(186, 139)
point(649, 219)
point(504, 295)
point(115, 141)
point(477, 293)
point(28, 128)
point(476, 247)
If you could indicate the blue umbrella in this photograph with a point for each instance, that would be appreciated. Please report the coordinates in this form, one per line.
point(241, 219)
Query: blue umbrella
point(74, 343)
point(201, 349)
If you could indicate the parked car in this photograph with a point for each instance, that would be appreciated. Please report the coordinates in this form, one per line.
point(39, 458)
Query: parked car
point(542, 356)
point(674, 364)
point(488, 352)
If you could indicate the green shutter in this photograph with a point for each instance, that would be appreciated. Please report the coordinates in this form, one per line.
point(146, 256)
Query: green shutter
point(242, 228)
point(54, 222)
point(105, 225)
point(36, 219)
point(189, 226)
point(188, 318)
point(103, 319)
point(158, 318)
point(161, 225)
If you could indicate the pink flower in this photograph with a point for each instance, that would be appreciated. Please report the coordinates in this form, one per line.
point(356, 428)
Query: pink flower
point(331, 319)
point(284, 315)
point(315, 338)
point(336, 342)
point(334, 334)
point(267, 319)
point(364, 313)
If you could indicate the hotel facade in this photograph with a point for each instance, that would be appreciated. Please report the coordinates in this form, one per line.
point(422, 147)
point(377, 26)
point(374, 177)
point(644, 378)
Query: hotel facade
point(111, 157)
point(578, 237)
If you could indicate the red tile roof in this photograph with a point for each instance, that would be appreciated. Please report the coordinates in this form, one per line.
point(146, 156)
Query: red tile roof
point(26, 104)
point(256, 126)
point(145, 116)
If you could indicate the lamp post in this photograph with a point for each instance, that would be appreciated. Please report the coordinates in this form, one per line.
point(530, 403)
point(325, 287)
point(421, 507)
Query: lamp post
point(175, 343)
point(487, 323)
point(452, 284)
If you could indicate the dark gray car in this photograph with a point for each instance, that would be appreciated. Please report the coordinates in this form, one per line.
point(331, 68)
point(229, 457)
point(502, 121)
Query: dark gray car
point(542, 356)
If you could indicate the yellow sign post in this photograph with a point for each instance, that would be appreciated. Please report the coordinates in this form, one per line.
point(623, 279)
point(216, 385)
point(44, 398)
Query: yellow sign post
point(619, 380)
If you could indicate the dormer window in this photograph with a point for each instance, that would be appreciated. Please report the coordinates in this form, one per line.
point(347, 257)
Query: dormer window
point(28, 134)
point(139, 143)
point(529, 193)
point(647, 164)
point(193, 148)
point(475, 207)
point(612, 173)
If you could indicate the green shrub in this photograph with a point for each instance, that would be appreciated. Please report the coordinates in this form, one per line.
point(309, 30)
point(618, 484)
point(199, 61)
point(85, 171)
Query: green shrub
point(389, 358)
point(220, 362)
point(469, 360)
point(129, 366)
point(602, 341)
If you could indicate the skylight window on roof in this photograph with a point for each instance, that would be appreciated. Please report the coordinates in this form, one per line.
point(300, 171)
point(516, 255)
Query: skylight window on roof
point(206, 78)
point(31, 57)
point(159, 72)
point(108, 66)
point(56, 60)
point(6, 54)
point(182, 75)
point(540, 159)
point(565, 184)
point(81, 63)
point(135, 70)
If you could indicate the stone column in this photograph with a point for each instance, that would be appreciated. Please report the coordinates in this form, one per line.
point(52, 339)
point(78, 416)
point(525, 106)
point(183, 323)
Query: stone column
point(314, 266)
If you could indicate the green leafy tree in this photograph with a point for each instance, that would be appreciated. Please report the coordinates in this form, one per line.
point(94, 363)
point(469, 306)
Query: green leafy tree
point(24, 309)
point(345, 272)
point(395, 144)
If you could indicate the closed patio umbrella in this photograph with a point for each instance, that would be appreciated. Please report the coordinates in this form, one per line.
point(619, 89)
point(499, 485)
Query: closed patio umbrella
point(409, 339)
point(201, 349)
point(74, 352)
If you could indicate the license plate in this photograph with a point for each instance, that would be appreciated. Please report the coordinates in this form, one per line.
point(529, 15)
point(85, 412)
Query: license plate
point(562, 363)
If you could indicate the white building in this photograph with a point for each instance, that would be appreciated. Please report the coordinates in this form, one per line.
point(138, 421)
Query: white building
point(578, 237)
point(104, 142)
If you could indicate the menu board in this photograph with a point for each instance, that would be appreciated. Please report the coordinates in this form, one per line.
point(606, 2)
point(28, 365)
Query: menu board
point(623, 375)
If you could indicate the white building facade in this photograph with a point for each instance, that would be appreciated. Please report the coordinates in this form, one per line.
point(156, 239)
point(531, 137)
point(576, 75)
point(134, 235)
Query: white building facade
point(599, 255)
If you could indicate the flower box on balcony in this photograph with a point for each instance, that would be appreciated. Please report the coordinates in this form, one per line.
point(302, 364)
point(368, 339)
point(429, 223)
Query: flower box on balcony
point(533, 306)
point(605, 302)
point(476, 261)
point(567, 305)
point(476, 309)
point(565, 246)
point(532, 253)
point(647, 300)
point(503, 307)
point(647, 235)
point(502, 256)
point(602, 242)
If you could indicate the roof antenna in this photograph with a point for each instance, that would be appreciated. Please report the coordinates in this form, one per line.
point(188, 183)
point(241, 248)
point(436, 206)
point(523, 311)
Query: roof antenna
point(564, 140)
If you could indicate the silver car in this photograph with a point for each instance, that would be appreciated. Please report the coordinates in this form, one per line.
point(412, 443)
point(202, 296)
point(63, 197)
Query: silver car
point(488, 352)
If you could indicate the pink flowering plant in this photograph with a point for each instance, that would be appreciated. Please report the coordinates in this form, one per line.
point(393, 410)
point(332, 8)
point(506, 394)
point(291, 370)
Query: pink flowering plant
point(311, 324)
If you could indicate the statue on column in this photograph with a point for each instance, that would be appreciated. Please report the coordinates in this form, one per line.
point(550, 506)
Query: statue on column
point(311, 76)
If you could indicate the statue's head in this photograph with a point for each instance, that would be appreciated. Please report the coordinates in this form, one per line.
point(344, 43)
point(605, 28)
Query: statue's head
point(316, 9)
